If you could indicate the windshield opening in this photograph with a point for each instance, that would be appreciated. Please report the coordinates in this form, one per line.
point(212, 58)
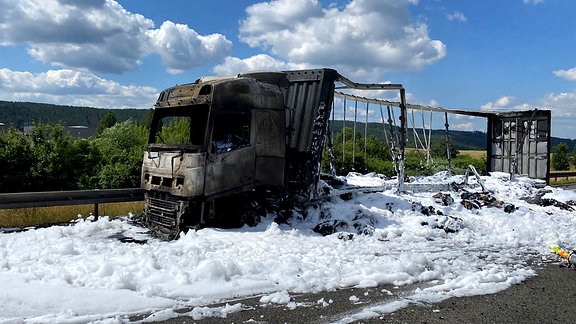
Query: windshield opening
point(179, 126)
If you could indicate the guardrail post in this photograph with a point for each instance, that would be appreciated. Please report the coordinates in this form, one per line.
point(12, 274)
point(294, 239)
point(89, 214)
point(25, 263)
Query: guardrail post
point(96, 211)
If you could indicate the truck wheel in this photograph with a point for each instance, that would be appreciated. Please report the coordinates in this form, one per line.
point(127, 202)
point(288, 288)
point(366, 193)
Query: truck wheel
point(251, 214)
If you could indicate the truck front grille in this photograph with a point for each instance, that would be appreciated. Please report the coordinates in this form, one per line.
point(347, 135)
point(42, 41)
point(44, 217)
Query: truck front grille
point(163, 213)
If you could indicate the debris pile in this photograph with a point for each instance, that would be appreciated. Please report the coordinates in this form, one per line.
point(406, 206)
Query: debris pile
point(473, 200)
point(539, 200)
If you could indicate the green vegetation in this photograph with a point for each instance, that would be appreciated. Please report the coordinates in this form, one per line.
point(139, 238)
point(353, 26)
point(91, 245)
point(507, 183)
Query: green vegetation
point(351, 154)
point(20, 114)
point(107, 121)
point(47, 159)
point(560, 161)
point(463, 140)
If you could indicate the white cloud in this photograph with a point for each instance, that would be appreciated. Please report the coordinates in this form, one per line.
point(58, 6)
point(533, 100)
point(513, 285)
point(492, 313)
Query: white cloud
point(182, 48)
point(502, 103)
point(277, 15)
point(74, 88)
point(101, 36)
point(563, 108)
point(364, 37)
point(533, 2)
point(469, 127)
point(457, 16)
point(234, 65)
point(561, 105)
point(569, 74)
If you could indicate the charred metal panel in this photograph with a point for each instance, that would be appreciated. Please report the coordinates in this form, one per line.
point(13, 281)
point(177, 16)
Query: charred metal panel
point(245, 93)
point(519, 143)
point(270, 142)
point(309, 100)
point(230, 172)
point(180, 174)
point(270, 171)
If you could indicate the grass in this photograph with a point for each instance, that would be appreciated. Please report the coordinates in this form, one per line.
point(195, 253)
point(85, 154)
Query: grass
point(23, 217)
point(476, 154)
point(561, 181)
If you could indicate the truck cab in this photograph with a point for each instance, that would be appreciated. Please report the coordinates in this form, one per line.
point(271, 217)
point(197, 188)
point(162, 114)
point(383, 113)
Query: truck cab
point(211, 139)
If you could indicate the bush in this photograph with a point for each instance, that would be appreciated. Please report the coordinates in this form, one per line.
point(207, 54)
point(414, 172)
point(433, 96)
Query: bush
point(560, 161)
point(438, 149)
point(377, 158)
point(461, 162)
point(413, 165)
point(122, 148)
point(16, 162)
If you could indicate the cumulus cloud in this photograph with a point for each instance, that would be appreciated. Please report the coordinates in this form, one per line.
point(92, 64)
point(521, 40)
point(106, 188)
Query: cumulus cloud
point(501, 103)
point(101, 36)
point(75, 88)
point(234, 65)
point(561, 106)
point(363, 37)
point(569, 74)
point(182, 48)
point(458, 16)
point(468, 127)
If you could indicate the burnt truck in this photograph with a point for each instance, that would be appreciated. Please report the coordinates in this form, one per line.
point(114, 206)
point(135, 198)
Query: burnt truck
point(244, 145)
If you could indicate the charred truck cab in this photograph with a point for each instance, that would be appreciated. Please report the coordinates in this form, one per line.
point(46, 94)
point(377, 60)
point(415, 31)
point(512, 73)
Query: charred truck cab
point(223, 150)
point(230, 141)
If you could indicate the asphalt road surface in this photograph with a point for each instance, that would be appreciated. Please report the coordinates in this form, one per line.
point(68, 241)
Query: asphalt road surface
point(550, 297)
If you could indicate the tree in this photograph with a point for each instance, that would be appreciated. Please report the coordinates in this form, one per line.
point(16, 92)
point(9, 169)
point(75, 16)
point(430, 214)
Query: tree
point(438, 149)
point(177, 131)
point(107, 121)
point(122, 148)
point(147, 121)
point(16, 162)
point(349, 157)
point(560, 160)
point(572, 157)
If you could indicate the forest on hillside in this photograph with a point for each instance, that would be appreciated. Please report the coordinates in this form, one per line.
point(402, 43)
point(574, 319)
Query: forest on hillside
point(21, 114)
point(462, 140)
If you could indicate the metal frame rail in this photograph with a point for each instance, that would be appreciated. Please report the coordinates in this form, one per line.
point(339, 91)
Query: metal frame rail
point(68, 198)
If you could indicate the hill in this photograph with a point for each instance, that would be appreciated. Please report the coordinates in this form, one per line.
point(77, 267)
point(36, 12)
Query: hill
point(462, 140)
point(20, 114)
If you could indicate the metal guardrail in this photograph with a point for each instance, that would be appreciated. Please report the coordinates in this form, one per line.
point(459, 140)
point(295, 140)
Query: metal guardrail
point(566, 175)
point(67, 198)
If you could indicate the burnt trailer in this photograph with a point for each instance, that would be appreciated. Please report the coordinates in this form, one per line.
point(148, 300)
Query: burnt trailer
point(240, 146)
point(246, 143)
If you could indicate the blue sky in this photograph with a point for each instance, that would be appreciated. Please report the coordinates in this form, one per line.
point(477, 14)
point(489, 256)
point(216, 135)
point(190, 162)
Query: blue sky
point(478, 55)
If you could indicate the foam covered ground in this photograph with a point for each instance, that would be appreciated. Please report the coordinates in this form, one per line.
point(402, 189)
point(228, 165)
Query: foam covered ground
point(83, 273)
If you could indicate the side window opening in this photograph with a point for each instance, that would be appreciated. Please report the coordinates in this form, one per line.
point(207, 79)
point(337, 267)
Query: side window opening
point(231, 132)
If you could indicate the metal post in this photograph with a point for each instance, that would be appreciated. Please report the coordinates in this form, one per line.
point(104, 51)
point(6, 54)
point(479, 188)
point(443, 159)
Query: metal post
point(96, 211)
point(403, 128)
point(392, 140)
point(354, 134)
point(448, 145)
point(366, 134)
point(344, 133)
